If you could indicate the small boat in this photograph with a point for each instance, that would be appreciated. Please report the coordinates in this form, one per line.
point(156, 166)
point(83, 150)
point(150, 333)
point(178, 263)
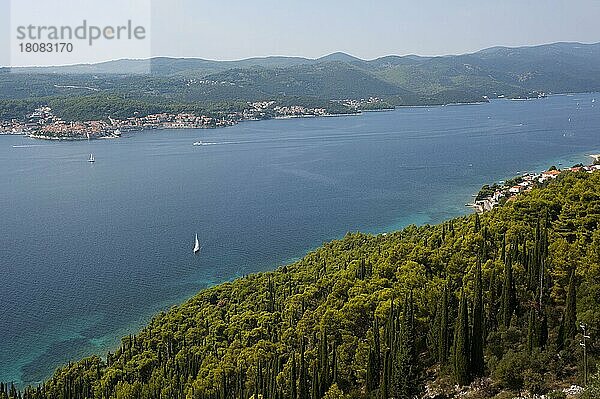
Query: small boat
point(92, 159)
point(196, 245)
point(198, 143)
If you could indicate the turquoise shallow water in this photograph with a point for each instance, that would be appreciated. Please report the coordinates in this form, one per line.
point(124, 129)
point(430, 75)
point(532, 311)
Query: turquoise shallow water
point(88, 252)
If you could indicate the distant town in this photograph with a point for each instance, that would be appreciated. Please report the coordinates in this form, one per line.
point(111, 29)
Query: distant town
point(44, 124)
point(496, 194)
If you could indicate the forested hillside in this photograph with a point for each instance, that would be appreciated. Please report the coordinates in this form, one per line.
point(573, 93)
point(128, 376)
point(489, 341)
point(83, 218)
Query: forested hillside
point(500, 295)
point(193, 84)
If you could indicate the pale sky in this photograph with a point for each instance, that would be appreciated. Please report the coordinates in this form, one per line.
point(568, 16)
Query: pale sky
point(236, 29)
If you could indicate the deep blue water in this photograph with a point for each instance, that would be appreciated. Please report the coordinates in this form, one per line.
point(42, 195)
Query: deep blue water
point(88, 252)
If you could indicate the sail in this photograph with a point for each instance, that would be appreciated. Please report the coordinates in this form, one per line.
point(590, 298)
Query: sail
point(196, 245)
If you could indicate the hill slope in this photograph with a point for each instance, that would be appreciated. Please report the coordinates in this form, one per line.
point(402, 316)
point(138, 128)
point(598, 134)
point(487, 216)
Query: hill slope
point(383, 316)
point(408, 80)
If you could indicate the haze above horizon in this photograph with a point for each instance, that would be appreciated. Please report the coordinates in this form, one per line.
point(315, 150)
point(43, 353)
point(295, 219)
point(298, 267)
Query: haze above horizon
point(310, 29)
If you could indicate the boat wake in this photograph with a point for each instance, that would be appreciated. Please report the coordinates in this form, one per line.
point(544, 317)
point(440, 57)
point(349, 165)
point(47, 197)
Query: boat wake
point(203, 143)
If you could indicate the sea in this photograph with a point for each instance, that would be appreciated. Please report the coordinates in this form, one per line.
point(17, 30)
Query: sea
point(90, 251)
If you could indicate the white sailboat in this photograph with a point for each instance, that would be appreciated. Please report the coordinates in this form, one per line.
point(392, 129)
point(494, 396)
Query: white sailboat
point(91, 158)
point(196, 245)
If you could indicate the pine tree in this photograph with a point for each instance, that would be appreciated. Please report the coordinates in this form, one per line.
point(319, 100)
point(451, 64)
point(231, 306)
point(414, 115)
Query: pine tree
point(477, 341)
point(461, 344)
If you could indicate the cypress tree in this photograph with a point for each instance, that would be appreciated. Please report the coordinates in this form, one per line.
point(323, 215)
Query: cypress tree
point(570, 318)
point(377, 346)
point(504, 248)
point(405, 370)
point(508, 294)
point(433, 338)
point(531, 331)
point(303, 385)
point(444, 327)
point(323, 364)
point(373, 369)
point(389, 362)
point(560, 338)
point(490, 320)
point(372, 377)
point(293, 378)
point(461, 344)
point(477, 341)
point(387, 374)
point(543, 331)
point(334, 374)
point(315, 387)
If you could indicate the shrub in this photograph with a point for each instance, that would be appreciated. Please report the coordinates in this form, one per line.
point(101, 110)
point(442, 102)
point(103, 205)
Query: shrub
point(592, 391)
point(510, 370)
point(534, 382)
point(556, 395)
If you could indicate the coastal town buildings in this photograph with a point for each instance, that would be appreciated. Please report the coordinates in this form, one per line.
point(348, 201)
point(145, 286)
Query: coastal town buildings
point(44, 124)
point(492, 196)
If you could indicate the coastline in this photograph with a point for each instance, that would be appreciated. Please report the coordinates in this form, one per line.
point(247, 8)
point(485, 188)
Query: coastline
point(273, 266)
point(110, 343)
point(307, 116)
point(68, 138)
point(169, 127)
point(232, 122)
point(525, 182)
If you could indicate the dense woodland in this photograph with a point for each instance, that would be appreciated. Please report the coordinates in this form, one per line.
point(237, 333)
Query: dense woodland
point(493, 300)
